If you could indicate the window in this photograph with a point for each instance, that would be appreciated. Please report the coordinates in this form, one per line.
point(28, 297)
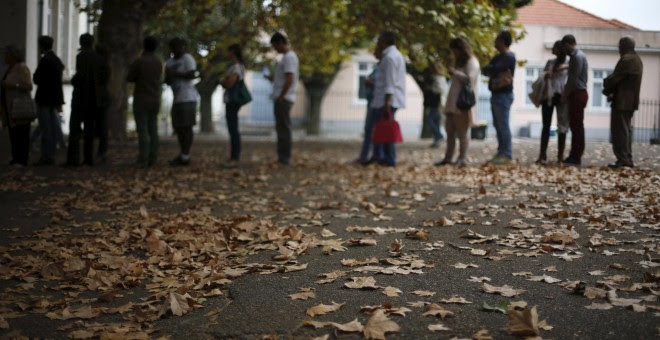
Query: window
point(531, 74)
point(364, 69)
point(598, 99)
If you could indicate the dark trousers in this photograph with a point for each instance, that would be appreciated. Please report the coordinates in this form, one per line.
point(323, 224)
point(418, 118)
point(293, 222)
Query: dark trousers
point(622, 132)
point(101, 126)
point(48, 125)
point(146, 124)
point(283, 128)
point(185, 136)
point(546, 111)
point(19, 136)
point(231, 110)
point(88, 119)
point(577, 101)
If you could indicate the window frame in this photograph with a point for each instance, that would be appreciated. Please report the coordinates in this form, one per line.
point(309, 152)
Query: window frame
point(371, 63)
point(605, 105)
point(539, 68)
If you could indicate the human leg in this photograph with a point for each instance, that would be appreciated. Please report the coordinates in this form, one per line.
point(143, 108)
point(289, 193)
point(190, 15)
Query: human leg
point(621, 131)
point(234, 134)
point(463, 123)
point(75, 132)
point(47, 126)
point(501, 107)
point(450, 128)
point(89, 131)
point(141, 125)
point(152, 129)
point(368, 130)
point(283, 129)
point(546, 113)
point(577, 103)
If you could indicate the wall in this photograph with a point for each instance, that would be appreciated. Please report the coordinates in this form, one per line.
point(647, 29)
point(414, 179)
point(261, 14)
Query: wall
point(600, 46)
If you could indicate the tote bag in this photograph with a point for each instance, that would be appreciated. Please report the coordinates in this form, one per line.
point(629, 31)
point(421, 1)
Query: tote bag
point(466, 99)
point(239, 94)
point(23, 108)
point(387, 130)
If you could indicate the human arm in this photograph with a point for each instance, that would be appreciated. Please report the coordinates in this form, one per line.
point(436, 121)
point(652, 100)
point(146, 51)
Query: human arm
point(231, 78)
point(625, 67)
point(132, 75)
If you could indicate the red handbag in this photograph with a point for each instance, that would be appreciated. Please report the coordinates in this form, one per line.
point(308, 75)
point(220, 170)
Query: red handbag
point(386, 130)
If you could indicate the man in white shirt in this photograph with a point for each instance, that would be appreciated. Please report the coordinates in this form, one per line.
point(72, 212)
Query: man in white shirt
point(285, 82)
point(180, 72)
point(389, 92)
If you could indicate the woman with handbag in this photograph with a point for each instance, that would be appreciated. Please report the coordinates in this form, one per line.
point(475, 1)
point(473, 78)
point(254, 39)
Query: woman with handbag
point(17, 108)
point(556, 75)
point(460, 100)
point(236, 95)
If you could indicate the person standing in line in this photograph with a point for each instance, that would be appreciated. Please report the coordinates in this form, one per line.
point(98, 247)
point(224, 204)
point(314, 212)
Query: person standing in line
point(370, 118)
point(556, 74)
point(622, 87)
point(84, 103)
point(180, 72)
point(103, 96)
point(389, 91)
point(235, 74)
point(575, 95)
point(285, 83)
point(16, 82)
point(435, 96)
point(49, 98)
point(146, 72)
point(458, 121)
point(501, 70)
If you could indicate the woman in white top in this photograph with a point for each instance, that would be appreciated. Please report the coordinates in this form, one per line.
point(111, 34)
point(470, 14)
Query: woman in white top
point(556, 75)
point(235, 74)
point(458, 122)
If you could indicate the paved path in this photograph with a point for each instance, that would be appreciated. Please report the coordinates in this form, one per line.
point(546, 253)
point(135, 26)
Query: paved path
point(114, 251)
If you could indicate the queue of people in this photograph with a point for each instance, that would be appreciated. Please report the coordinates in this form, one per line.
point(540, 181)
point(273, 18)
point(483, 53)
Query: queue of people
point(562, 88)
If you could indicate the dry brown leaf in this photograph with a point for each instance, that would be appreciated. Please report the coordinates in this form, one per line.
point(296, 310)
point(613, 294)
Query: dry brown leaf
point(438, 327)
point(436, 310)
point(599, 306)
point(332, 276)
point(304, 294)
point(423, 293)
point(392, 291)
point(544, 278)
point(482, 334)
point(506, 291)
point(421, 235)
point(323, 309)
point(479, 279)
point(179, 303)
point(445, 222)
point(460, 265)
point(523, 323)
point(456, 299)
point(378, 325)
point(593, 293)
point(362, 283)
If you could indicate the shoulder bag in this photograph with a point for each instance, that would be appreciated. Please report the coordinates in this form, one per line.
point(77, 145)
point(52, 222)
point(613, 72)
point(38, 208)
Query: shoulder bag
point(23, 108)
point(466, 99)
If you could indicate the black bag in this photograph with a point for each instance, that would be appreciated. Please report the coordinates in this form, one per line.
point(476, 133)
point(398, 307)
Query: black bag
point(466, 99)
point(239, 94)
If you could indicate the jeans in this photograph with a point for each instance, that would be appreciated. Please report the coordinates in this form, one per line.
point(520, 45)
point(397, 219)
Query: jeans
point(146, 123)
point(577, 101)
point(434, 119)
point(231, 110)
point(372, 116)
point(384, 153)
point(48, 125)
point(500, 104)
point(282, 111)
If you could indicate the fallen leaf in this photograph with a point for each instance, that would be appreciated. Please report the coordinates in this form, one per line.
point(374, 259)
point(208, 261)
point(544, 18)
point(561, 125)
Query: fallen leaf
point(523, 323)
point(392, 291)
point(506, 291)
point(423, 293)
point(438, 327)
point(378, 325)
point(323, 309)
point(304, 294)
point(436, 310)
point(599, 306)
point(455, 299)
point(362, 283)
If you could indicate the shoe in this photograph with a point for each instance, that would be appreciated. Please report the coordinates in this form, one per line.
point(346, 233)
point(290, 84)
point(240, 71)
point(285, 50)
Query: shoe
point(619, 165)
point(178, 161)
point(387, 164)
point(501, 160)
point(44, 162)
point(571, 162)
point(442, 163)
point(435, 144)
point(230, 164)
point(284, 161)
point(368, 162)
point(541, 161)
point(461, 163)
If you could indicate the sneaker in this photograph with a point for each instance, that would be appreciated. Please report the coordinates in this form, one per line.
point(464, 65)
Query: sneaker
point(178, 161)
point(230, 164)
point(461, 163)
point(501, 160)
point(571, 162)
point(442, 163)
point(435, 144)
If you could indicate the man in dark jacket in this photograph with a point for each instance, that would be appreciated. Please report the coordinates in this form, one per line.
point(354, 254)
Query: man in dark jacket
point(622, 87)
point(49, 98)
point(84, 102)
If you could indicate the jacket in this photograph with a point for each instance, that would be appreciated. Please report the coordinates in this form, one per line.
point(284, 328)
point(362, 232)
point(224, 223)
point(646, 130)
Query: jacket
point(624, 84)
point(48, 78)
point(86, 92)
point(17, 74)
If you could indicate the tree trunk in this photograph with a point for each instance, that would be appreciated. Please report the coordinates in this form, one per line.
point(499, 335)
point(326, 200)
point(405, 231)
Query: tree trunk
point(120, 31)
point(316, 87)
point(206, 88)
